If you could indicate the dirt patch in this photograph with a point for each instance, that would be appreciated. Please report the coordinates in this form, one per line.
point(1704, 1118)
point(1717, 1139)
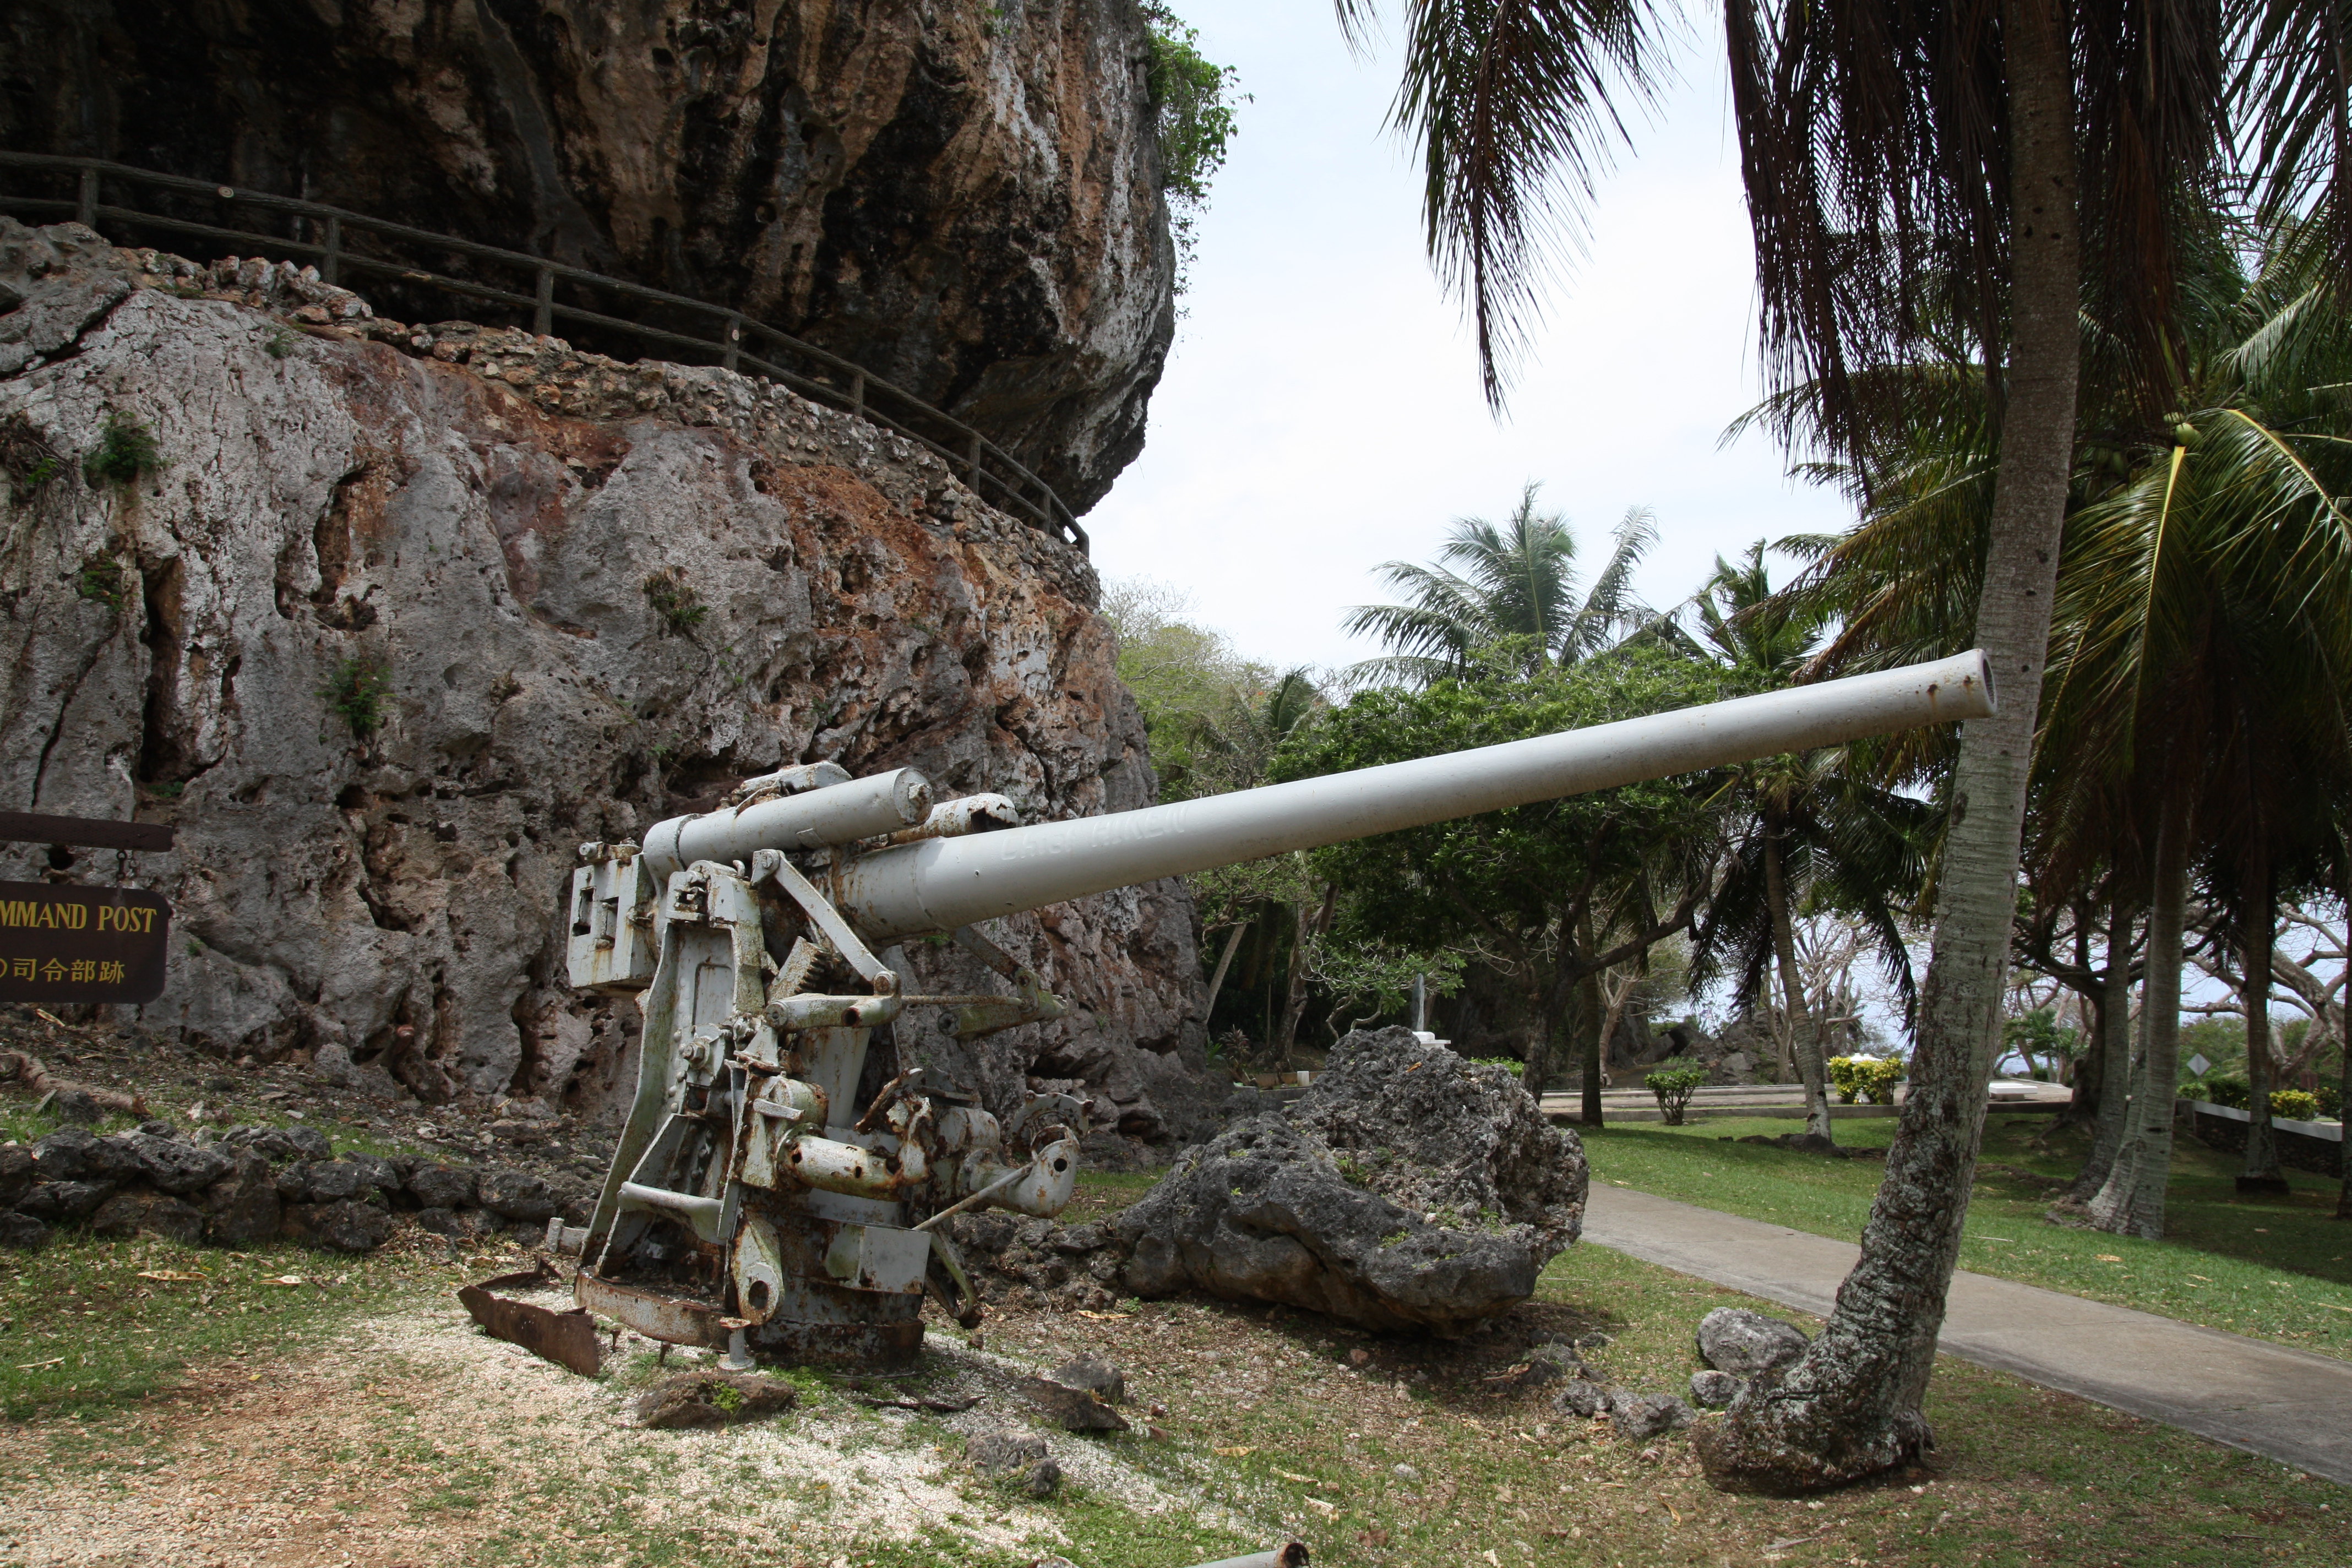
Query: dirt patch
point(416, 1440)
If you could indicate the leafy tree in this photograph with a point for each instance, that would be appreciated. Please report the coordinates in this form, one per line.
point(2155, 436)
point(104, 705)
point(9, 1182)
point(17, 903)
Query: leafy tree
point(1918, 177)
point(1515, 582)
point(2194, 723)
point(1551, 894)
point(1811, 831)
point(1193, 102)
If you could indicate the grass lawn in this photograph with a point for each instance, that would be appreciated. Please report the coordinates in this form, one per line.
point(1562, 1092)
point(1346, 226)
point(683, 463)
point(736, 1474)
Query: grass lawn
point(363, 1416)
point(2276, 1269)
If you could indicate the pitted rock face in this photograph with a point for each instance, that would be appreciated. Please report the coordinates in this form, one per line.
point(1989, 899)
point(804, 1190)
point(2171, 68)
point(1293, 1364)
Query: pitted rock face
point(1434, 1133)
point(1744, 1342)
point(470, 516)
point(1389, 1203)
point(963, 199)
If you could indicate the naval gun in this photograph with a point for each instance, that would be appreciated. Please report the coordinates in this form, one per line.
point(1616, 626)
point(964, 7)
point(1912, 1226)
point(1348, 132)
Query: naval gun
point(757, 1202)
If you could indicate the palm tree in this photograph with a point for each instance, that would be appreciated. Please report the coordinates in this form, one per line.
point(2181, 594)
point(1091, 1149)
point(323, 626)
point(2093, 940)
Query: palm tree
point(2195, 710)
point(1515, 582)
point(1910, 172)
point(1917, 176)
point(1817, 830)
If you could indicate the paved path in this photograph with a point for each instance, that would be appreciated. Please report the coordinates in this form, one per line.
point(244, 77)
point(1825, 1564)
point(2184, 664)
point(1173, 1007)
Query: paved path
point(2286, 1405)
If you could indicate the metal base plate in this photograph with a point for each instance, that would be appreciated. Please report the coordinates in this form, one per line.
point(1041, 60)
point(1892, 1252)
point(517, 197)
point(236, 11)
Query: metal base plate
point(891, 1342)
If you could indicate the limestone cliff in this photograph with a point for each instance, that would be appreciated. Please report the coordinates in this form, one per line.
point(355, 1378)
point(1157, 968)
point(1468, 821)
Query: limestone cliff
point(963, 199)
point(594, 594)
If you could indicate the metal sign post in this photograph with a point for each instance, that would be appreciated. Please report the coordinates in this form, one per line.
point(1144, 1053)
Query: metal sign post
point(62, 943)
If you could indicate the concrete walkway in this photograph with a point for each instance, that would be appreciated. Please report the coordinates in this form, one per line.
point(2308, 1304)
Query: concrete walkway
point(2285, 1405)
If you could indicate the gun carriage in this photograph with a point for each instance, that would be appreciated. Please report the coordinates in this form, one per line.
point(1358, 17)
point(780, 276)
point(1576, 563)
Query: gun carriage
point(758, 1201)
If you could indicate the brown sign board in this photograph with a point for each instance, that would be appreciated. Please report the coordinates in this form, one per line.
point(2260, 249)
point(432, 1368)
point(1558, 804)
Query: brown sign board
point(65, 943)
point(89, 832)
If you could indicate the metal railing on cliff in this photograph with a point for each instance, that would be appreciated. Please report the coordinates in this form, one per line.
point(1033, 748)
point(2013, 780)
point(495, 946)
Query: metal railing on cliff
point(321, 234)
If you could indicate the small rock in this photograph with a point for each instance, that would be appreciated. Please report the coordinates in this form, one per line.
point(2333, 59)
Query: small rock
point(22, 1232)
point(1087, 1237)
point(516, 1196)
point(132, 1214)
point(1714, 1390)
point(56, 1202)
point(998, 1454)
point(711, 1399)
point(384, 1175)
point(508, 1130)
point(1405, 1473)
point(159, 1129)
point(1078, 1409)
point(1043, 1480)
point(442, 1186)
point(242, 1207)
point(306, 1143)
point(75, 1154)
point(1744, 1342)
point(76, 1106)
point(1593, 1341)
point(345, 1227)
point(1549, 1363)
point(1582, 1400)
point(1091, 1372)
point(1650, 1415)
point(334, 1182)
point(171, 1165)
point(444, 1221)
point(16, 1171)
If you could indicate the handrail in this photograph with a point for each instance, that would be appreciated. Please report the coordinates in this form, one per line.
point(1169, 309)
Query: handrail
point(978, 460)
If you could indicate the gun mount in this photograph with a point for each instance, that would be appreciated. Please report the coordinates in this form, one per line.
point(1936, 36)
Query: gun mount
point(756, 1202)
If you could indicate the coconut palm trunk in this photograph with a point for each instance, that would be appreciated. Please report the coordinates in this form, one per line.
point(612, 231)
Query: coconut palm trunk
point(2131, 1203)
point(2256, 922)
point(2344, 1105)
point(1804, 1039)
point(1850, 1406)
point(2114, 1056)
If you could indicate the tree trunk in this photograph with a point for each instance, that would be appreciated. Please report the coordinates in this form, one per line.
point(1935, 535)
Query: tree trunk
point(1309, 927)
point(2255, 925)
point(1224, 962)
point(2132, 1200)
point(2115, 1057)
point(1596, 1048)
point(1849, 1407)
point(2344, 1105)
point(1804, 1040)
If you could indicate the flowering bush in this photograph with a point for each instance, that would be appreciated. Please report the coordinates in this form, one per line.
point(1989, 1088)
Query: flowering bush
point(1868, 1076)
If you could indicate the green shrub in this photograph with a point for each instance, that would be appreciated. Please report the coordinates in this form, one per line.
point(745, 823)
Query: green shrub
point(1867, 1078)
point(101, 581)
point(27, 459)
point(359, 690)
point(1511, 1065)
point(2331, 1099)
point(675, 601)
point(124, 452)
point(1193, 103)
point(2295, 1104)
point(279, 344)
point(2228, 1089)
point(1674, 1082)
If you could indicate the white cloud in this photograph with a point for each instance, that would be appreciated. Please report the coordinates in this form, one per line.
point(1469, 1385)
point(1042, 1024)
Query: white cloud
point(1321, 413)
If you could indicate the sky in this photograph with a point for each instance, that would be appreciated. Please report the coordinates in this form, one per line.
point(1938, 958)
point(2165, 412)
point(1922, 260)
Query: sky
point(1321, 413)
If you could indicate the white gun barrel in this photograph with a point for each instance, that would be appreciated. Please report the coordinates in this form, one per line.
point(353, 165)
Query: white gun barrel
point(830, 814)
point(941, 884)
